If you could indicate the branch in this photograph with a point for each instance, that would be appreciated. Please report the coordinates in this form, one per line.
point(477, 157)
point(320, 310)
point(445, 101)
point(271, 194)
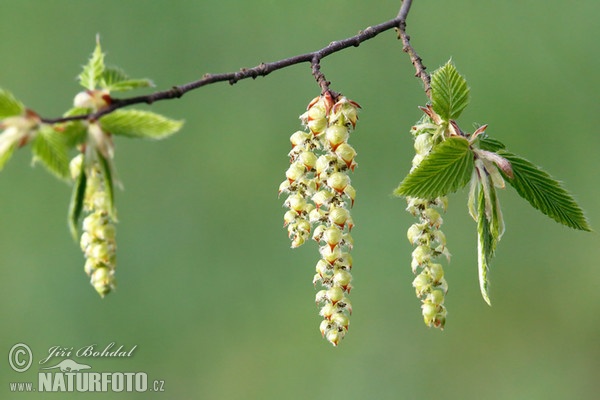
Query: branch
point(407, 48)
point(263, 69)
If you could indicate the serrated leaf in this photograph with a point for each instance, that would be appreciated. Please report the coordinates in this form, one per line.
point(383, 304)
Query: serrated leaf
point(9, 105)
point(449, 92)
point(50, 148)
point(75, 111)
point(93, 70)
point(446, 169)
point(489, 144)
point(545, 193)
point(76, 205)
point(114, 79)
point(74, 133)
point(139, 124)
point(108, 184)
point(484, 247)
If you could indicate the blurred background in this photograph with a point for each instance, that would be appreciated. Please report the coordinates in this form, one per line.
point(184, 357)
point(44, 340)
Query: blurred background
point(216, 302)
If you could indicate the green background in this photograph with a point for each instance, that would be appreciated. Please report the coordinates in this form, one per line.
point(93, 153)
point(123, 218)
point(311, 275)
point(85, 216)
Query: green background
point(217, 303)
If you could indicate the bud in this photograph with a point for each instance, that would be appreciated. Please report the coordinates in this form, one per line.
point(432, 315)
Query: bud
point(295, 172)
point(346, 153)
point(338, 181)
point(340, 319)
point(94, 99)
point(296, 202)
point(333, 336)
point(334, 294)
point(342, 278)
point(75, 166)
point(299, 138)
point(336, 135)
point(332, 236)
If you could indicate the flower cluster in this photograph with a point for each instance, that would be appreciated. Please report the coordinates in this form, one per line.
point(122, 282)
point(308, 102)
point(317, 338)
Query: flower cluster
point(319, 199)
point(430, 242)
point(98, 237)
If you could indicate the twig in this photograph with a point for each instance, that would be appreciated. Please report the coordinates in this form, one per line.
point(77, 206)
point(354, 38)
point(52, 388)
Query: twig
point(407, 48)
point(263, 69)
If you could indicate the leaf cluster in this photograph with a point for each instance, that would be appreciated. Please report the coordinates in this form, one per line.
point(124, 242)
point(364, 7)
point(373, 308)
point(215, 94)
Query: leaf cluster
point(52, 145)
point(452, 162)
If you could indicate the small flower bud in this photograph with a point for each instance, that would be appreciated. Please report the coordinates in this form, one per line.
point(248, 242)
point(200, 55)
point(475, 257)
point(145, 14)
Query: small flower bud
point(341, 319)
point(421, 254)
point(321, 296)
point(296, 202)
point(350, 192)
point(318, 233)
point(323, 164)
point(298, 241)
point(330, 255)
point(436, 297)
point(284, 187)
point(299, 138)
point(338, 181)
point(346, 153)
point(325, 326)
point(103, 280)
point(95, 99)
point(323, 268)
point(322, 197)
point(336, 135)
point(436, 271)
point(308, 159)
point(415, 233)
point(75, 166)
point(295, 171)
point(433, 217)
point(335, 294)
point(421, 283)
point(342, 278)
point(289, 217)
point(327, 310)
point(317, 215)
point(317, 126)
point(339, 216)
point(423, 144)
point(332, 236)
point(333, 336)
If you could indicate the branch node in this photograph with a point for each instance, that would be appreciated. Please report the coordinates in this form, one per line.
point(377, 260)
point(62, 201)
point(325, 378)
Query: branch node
point(177, 91)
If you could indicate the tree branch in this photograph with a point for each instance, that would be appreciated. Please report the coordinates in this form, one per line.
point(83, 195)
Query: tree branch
point(263, 69)
point(407, 48)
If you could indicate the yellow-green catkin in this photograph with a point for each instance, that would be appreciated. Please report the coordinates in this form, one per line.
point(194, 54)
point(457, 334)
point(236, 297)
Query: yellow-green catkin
point(98, 234)
point(319, 200)
point(427, 237)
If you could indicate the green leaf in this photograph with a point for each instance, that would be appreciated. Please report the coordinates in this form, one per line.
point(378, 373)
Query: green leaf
point(115, 79)
point(74, 132)
point(449, 92)
point(108, 184)
point(545, 193)
point(446, 169)
point(489, 144)
point(93, 70)
point(484, 247)
point(76, 205)
point(139, 124)
point(6, 154)
point(9, 105)
point(51, 149)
